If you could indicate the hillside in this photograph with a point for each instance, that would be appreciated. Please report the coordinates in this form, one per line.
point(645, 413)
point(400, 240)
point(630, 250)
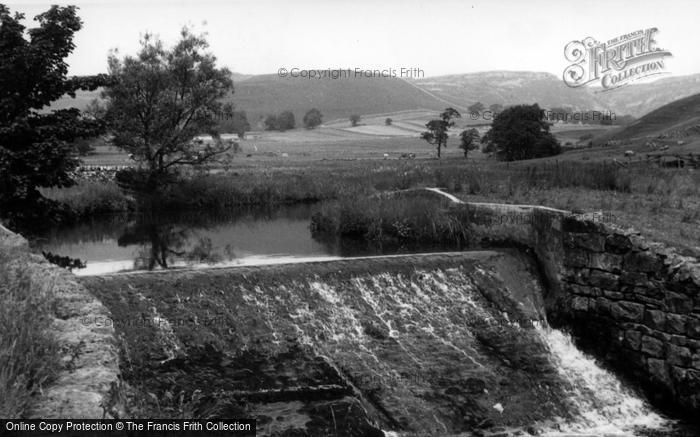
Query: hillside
point(338, 99)
point(509, 88)
point(676, 120)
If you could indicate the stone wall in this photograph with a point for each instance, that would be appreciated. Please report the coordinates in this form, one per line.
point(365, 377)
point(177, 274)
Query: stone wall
point(633, 303)
point(89, 359)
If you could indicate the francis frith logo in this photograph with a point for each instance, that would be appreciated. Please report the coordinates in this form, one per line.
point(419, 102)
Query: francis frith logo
point(616, 62)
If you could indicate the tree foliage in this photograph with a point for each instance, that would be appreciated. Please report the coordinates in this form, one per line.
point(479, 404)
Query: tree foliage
point(283, 121)
point(234, 121)
point(467, 140)
point(286, 121)
point(35, 145)
point(437, 129)
point(313, 118)
point(270, 122)
point(521, 132)
point(162, 98)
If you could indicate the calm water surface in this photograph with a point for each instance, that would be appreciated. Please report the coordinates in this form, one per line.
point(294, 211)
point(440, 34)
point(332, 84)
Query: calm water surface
point(116, 243)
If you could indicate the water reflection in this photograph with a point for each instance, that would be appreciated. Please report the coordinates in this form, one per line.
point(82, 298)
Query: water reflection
point(245, 236)
point(162, 244)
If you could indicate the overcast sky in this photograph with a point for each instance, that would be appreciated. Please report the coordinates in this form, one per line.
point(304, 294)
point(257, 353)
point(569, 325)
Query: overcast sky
point(440, 36)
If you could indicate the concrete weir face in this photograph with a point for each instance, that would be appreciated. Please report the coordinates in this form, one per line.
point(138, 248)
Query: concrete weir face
point(416, 343)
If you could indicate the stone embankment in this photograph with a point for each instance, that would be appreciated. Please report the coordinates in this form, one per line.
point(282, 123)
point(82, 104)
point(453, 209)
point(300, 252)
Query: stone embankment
point(89, 364)
point(634, 303)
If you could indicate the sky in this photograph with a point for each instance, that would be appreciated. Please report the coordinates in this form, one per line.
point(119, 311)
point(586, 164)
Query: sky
point(439, 37)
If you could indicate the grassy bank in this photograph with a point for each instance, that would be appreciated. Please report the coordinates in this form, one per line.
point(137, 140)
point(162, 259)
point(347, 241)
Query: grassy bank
point(662, 203)
point(28, 352)
point(320, 180)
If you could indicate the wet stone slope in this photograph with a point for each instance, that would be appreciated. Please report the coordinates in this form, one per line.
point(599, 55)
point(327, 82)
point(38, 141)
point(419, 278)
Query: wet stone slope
point(425, 345)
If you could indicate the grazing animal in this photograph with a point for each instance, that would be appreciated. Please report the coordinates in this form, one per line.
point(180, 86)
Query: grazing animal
point(386, 156)
point(629, 153)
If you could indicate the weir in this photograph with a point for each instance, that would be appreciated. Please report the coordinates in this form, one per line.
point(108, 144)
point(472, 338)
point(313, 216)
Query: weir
point(417, 344)
point(437, 344)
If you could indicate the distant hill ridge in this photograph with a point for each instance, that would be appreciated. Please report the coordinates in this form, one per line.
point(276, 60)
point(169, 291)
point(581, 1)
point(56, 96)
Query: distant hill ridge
point(260, 95)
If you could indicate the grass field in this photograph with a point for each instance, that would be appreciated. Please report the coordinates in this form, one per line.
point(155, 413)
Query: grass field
point(336, 160)
point(338, 140)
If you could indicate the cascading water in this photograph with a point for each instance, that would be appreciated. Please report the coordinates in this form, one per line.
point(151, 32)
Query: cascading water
point(447, 346)
point(604, 405)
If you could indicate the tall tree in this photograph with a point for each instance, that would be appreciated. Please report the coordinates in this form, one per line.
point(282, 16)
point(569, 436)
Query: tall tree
point(313, 118)
point(467, 141)
point(162, 99)
point(286, 121)
point(437, 129)
point(234, 121)
point(521, 132)
point(271, 122)
point(35, 145)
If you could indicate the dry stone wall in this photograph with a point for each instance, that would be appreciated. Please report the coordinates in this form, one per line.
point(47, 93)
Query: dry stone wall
point(634, 303)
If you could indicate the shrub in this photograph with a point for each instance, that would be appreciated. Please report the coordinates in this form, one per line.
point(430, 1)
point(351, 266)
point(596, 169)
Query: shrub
point(91, 197)
point(388, 219)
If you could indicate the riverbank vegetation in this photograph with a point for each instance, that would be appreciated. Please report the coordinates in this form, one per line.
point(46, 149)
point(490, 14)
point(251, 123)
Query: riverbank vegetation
point(392, 219)
point(661, 202)
point(28, 352)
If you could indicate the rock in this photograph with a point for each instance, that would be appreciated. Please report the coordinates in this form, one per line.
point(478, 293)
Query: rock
point(614, 295)
point(579, 303)
point(693, 327)
point(655, 319)
point(678, 303)
point(577, 275)
point(618, 243)
point(658, 371)
point(652, 346)
point(677, 355)
point(633, 339)
point(576, 258)
point(642, 262)
point(675, 323)
point(581, 290)
point(633, 278)
point(605, 261)
point(588, 241)
point(695, 361)
point(604, 280)
point(628, 311)
point(575, 224)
